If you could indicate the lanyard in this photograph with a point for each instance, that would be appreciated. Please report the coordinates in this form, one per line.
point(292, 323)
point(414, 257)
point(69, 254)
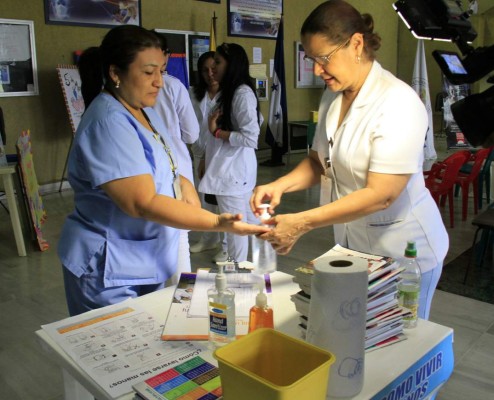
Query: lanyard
point(159, 139)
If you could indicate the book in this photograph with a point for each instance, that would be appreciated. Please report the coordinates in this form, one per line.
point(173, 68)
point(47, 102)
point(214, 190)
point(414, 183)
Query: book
point(384, 316)
point(302, 302)
point(386, 342)
point(195, 378)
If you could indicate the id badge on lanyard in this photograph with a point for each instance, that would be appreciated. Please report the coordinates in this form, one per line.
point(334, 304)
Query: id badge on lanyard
point(177, 190)
point(327, 180)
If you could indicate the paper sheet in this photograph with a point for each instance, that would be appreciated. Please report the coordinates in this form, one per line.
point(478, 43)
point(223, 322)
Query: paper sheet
point(120, 347)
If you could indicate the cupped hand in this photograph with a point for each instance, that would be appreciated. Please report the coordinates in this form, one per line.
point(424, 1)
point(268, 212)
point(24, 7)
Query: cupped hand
point(269, 193)
point(232, 223)
point(288, 228)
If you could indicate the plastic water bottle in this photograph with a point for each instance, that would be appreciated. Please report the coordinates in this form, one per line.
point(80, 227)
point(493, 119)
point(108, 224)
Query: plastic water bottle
point(409, 286)
point(263, 254)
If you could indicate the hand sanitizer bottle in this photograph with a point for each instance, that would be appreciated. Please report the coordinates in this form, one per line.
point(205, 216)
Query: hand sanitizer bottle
point(263, 254)
point(261, 315)
point(221, 312)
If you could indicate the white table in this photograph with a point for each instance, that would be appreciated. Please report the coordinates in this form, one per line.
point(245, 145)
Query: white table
point(7, 172)
point(423, 362)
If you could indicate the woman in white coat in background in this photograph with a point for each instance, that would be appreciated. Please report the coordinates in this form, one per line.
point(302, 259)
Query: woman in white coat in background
point(231, 164)
point(204, 96)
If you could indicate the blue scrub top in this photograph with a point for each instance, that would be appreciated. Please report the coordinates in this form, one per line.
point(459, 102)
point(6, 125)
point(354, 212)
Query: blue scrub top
point(111, 144)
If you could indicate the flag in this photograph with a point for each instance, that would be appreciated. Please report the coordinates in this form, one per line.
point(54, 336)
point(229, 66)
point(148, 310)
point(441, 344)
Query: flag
point(177, 67)
point(420, 83)
point(212, 34)
point(277, 131)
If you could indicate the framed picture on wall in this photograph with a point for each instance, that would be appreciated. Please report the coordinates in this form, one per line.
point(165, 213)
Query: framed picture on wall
point(212, 1)
point(254, 18)
point(304, 70)
point(93, 13)
point(18, 71)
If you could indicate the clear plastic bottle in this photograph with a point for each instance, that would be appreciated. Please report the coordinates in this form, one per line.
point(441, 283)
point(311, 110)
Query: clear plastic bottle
point(221, 311)
point(263, 254)
point(260, 315)
point(409, 286)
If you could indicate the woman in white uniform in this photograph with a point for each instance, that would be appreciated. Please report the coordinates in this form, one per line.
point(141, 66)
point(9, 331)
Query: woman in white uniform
point(231, 164)
point(371, 152)
point(174, 107)
point(204, 96)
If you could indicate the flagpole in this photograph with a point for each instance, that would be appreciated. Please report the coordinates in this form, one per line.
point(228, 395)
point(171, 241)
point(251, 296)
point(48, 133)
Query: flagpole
point(277, 129)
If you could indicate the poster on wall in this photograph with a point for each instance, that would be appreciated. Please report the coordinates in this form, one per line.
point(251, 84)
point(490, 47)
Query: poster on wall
point(451, 94)
point(254, 18)
point(93, 13)
point(70, 81)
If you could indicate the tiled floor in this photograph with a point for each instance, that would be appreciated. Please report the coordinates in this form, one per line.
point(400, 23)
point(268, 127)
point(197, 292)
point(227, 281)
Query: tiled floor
point(31, 294)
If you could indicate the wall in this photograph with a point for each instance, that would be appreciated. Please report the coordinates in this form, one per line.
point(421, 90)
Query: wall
point(46, 117)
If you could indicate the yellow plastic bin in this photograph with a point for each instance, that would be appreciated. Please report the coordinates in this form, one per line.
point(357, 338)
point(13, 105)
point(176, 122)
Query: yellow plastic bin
point(269, 365)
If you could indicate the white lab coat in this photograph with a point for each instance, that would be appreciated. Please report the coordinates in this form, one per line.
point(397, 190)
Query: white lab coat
point(384, 132)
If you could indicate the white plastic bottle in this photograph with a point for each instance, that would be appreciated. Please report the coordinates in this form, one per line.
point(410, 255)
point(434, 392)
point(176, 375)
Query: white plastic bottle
point(409, 286)
point(263, 254)
point(221, 311)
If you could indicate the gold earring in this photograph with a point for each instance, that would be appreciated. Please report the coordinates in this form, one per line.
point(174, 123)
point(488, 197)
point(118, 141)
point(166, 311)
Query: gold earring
point(117, 84)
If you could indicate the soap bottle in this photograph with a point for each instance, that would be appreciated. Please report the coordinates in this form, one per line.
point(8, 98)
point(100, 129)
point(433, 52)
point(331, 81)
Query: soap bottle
point(263, 254)
point(221, 311)
point(260, 315)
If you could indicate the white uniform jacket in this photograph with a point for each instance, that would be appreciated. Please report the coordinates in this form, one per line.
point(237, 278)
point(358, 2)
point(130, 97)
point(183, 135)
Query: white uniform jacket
point(175, 108)
point(231, 166)
point(384, 132)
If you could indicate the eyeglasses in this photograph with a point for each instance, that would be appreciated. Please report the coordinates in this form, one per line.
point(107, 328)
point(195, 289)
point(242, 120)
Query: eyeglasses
point(324, 60)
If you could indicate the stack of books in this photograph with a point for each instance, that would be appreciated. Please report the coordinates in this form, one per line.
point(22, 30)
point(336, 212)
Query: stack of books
point(384, 324)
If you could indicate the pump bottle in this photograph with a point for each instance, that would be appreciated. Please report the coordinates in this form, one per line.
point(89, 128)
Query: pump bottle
point(221, 311)
point(409, 286)
point(260, 315)
point(263, 254)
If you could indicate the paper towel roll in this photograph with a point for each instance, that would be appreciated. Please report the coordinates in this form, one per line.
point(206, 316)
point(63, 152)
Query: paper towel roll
point(337, 316)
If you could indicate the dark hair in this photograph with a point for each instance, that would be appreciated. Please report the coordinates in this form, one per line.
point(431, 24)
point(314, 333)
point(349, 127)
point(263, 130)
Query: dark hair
point(201, 87)
point(163, 41)
point(236, 74)
point(119, 47)
point(338, 21)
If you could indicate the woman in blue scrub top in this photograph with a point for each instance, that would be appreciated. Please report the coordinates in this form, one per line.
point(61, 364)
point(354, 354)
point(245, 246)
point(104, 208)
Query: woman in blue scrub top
point(368, 152)
point(121, 240)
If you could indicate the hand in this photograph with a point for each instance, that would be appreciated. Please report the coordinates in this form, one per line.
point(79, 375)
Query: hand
point(269, 193)
point(213, 121)
point(288, 229)
point(232, 223)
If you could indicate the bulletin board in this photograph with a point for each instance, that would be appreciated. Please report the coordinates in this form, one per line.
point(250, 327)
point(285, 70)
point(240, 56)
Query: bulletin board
point(30, 186)
point(18, 70)
point(70, 81)
point(304, 71)
point(192, 44)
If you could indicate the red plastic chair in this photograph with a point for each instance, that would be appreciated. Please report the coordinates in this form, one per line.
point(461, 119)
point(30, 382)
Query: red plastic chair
point(463, 180)
point(441, 178)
